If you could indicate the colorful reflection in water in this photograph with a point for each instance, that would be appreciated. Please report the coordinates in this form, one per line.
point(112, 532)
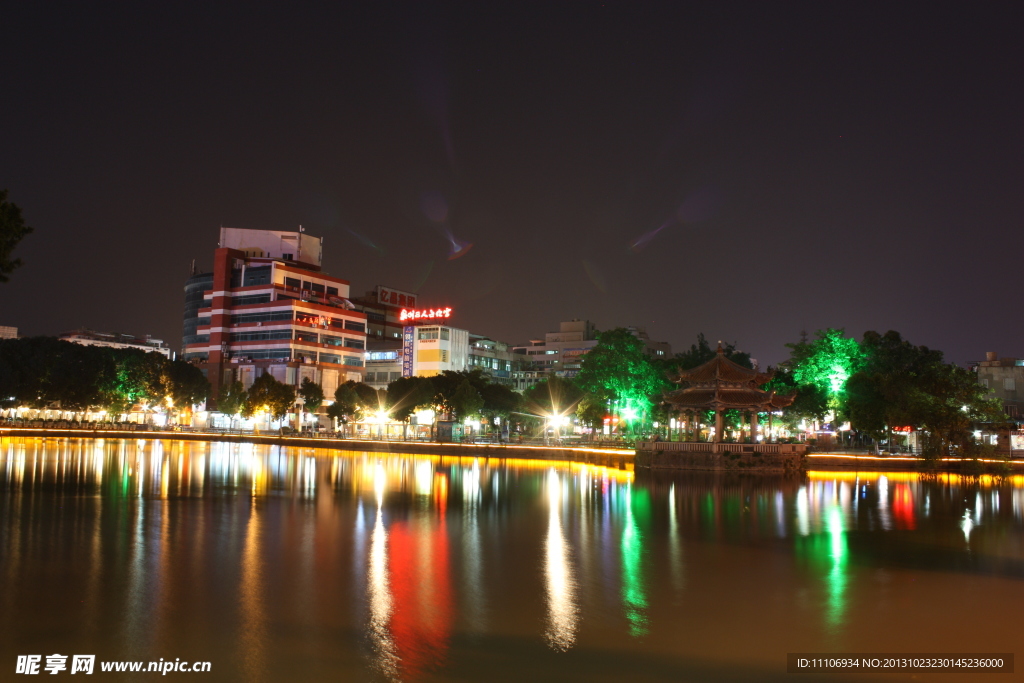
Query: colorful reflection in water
point(286, 564)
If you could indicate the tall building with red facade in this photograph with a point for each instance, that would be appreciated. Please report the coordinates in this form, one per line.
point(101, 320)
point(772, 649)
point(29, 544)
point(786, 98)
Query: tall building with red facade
point(267, 308)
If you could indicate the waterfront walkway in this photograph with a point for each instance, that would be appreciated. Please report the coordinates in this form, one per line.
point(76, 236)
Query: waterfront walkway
point(597, 454)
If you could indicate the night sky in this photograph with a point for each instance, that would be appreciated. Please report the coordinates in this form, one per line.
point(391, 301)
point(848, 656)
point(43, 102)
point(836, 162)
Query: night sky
point(745, 171)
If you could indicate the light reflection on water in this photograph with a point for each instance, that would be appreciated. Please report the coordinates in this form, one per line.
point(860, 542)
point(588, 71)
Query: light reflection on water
point(285, 564)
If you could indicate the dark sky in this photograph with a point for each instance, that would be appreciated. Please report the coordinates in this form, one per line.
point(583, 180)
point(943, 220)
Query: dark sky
point(742, 170)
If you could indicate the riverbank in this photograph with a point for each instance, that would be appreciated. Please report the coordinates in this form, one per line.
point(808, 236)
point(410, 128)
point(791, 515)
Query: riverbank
point(609, 457)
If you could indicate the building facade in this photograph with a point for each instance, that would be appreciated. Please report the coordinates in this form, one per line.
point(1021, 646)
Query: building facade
point(1004, 379)
point(113, 340)
point(267, 308)
point(561, 353)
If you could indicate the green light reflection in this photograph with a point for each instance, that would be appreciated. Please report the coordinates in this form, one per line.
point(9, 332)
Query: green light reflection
point(634, 600)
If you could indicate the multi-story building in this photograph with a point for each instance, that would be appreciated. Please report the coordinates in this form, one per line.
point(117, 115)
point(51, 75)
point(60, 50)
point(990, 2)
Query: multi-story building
point(8, 332)
point(561, 353)
point(431, 349)
point(493, 358)
point(1004, 379)
point(267, 308)
point(116, 340)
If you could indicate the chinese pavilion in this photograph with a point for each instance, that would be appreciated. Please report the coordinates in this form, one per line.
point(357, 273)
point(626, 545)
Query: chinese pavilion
point(719, 385)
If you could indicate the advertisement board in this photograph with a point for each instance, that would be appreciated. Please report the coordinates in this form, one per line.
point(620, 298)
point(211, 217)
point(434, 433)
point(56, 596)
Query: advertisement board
point(407, 343)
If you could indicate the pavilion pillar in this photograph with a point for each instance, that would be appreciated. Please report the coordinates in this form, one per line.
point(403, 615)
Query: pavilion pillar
point(718, 425)
point(753, 426)
point(770, 420)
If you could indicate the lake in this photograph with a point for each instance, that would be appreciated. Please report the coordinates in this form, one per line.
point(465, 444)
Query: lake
point(282, 564)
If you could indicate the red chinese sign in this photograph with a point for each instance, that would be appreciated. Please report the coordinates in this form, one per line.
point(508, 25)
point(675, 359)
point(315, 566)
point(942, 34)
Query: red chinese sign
point(426, 314)
point(386, 295)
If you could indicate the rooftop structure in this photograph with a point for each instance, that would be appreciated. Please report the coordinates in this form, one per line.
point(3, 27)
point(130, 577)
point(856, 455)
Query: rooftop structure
point(117, 340)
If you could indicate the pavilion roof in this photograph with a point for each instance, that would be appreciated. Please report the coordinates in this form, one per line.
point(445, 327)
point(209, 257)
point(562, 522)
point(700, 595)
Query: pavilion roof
point(721, 369)
point(721, 384)
point(726, 398)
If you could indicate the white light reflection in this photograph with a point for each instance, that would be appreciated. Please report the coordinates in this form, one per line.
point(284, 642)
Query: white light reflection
point(385, 657)
point(675, 547)
point(471, 541)
point(802, 522)
point(563, 613)
point(883, 503)
point(966, 525)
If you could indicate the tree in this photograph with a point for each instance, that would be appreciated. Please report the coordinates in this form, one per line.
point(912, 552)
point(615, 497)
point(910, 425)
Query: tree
point(232, 400)
point(826, 363)
point(617, 368)
point(406, 395)
point(185, 383)
point(346, 403)
point(553, 396)
point(268, 394)
point(465, 401)
point(902, 385)
point(12, 230)
point(312, 395)
point(811, 402)
point(499, 401)
point(700, 353)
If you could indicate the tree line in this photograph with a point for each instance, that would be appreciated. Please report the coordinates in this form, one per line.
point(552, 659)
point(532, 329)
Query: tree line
point(50, 373)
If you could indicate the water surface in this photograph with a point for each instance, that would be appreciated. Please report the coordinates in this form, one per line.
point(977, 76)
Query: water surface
point(301, 564)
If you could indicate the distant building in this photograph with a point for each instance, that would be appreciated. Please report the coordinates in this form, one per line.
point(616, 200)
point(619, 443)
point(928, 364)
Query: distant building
point(436, 345)
point(432, 349)
point(561, 353)
point(8, 332)
point(267, 308)
point(116, 340)
point(1004, 379)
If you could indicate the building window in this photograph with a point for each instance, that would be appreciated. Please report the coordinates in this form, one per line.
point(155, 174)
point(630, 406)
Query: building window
point(426, 333)
point(292, 283)
point(332, 291)
point(286, 257)
point(355, 326)
point(252, 299)
point(330, 358)
point(1009, 384)
point(307, 337)
point(354, 343)
point(445, 332)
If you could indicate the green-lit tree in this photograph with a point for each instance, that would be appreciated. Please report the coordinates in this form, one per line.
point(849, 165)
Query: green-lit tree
point(826, 363)
point(12, 230)
point(618, 370)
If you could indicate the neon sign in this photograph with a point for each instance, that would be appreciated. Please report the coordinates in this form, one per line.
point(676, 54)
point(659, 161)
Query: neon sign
point(426, 313)
point(314, 320)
